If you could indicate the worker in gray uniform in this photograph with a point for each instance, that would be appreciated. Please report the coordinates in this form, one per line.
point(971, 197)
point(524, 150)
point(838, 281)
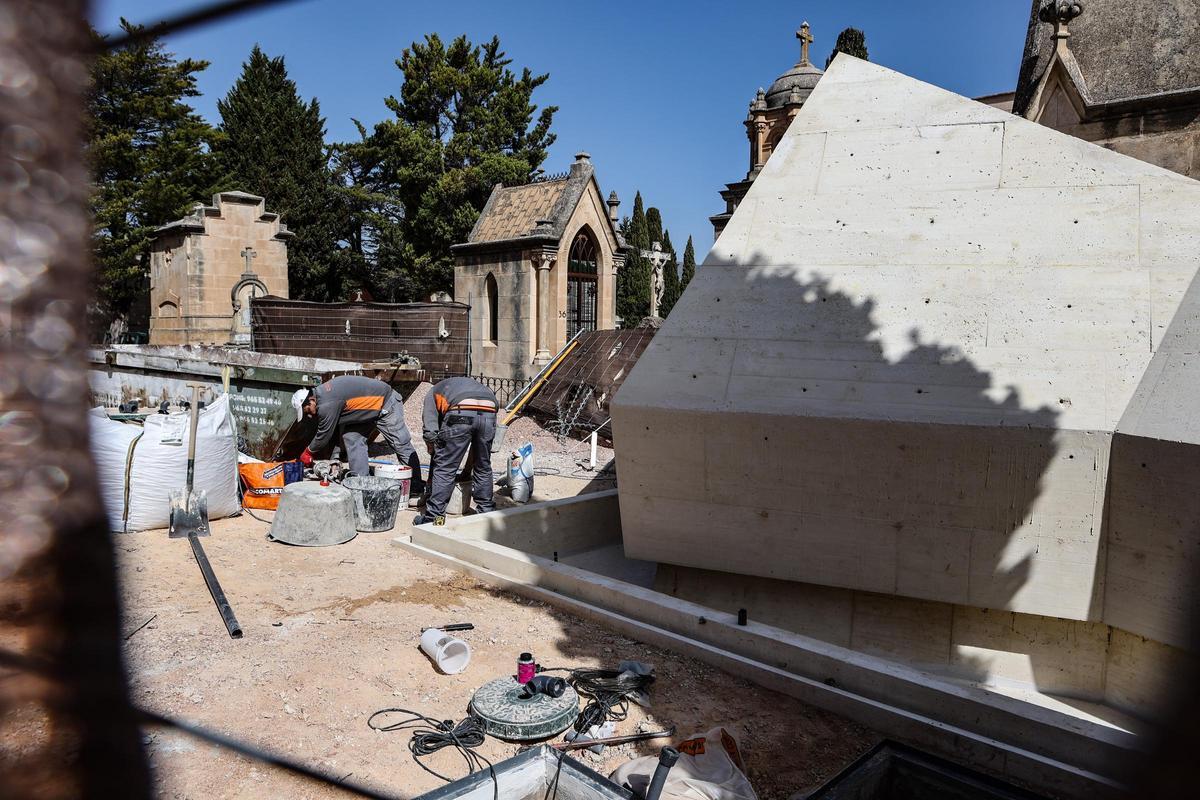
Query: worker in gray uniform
point(459, 415)
point(355, 407)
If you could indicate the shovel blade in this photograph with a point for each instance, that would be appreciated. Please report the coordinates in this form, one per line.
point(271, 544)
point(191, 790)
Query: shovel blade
point(189, 514)
point(498, 440)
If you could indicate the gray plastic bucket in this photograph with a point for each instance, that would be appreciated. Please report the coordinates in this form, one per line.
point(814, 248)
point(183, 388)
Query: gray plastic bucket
point(376, 501)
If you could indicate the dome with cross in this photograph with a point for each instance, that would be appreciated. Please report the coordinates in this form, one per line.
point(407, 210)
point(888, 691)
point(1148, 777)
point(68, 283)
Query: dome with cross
point(795, 85)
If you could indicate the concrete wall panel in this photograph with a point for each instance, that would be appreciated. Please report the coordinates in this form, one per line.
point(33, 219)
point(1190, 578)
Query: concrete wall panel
point(904, 368)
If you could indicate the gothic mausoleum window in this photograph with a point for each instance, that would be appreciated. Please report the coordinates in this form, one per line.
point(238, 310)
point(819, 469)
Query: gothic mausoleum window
point(492, 309)
point(581, 285)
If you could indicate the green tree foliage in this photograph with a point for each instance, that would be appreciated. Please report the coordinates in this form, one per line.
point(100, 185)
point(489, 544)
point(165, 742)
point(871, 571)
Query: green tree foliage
point(633, 281)
point(689, 266)
point(274, 146)
point(463, 122)
point(671, 285)
point(851, 41)
point(654, 226)
point(150, 159)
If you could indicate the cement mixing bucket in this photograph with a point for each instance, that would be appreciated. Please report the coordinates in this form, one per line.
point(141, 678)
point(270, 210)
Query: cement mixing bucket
point(376, 501)
point(312, 515)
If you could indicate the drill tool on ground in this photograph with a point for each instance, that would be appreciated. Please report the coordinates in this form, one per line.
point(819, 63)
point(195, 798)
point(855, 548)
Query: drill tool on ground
point(451, 628)
point(597, 744)
point(189, 518)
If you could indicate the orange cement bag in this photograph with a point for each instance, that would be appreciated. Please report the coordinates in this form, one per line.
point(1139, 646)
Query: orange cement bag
point(264, 482)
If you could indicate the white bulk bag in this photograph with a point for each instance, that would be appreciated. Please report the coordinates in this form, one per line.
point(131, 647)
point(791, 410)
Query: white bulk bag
point(111, 445)
point(138, 495)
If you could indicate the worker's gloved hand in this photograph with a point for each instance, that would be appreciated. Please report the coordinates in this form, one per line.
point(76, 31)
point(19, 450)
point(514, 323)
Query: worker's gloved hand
point(306, 458)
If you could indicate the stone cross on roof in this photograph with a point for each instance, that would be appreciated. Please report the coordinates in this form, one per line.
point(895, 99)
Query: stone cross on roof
point(805, 40)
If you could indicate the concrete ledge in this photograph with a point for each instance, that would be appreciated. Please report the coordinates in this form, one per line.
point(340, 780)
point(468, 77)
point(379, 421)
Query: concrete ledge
point(966, 738)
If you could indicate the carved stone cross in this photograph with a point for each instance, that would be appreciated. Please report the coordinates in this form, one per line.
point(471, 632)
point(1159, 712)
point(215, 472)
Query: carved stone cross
point(805, 40)
point(248, 254)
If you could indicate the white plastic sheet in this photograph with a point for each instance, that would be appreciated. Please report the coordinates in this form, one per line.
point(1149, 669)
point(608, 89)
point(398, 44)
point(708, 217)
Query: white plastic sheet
point(139, 467)
point(710, 767)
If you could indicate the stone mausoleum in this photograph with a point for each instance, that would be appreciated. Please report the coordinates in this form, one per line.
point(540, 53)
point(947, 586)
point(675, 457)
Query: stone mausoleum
point(539, 266)
point(771, 112)
point(1118, 74)
point(205, 268)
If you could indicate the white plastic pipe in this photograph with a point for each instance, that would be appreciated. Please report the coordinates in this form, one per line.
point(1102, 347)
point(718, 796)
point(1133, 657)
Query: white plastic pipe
point(595, 436)
point(450, 654)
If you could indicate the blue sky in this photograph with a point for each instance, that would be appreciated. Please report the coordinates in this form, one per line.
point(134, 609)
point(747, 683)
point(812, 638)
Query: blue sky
point(656, 91)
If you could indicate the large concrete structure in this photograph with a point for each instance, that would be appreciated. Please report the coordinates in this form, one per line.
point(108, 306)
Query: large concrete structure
point(932, 381)
point(1120, 74)
point(205, 268)
point(539, 265)
point(770, 114)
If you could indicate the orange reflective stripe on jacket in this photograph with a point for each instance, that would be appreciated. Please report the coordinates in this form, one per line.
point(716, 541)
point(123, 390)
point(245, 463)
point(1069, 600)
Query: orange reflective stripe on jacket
point(368, 403)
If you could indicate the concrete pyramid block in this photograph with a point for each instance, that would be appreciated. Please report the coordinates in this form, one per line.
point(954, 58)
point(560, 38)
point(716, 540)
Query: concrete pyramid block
point(902, 367)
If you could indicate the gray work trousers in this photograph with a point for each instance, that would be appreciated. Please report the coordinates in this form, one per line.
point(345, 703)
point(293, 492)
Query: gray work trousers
point(462, 431)
point(390, 424)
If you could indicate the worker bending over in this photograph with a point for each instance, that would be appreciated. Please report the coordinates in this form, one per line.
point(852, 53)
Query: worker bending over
point(356, 407)
point(459, 415)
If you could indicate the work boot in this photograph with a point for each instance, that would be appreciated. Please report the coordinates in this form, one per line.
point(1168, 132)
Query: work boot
point(425, 519)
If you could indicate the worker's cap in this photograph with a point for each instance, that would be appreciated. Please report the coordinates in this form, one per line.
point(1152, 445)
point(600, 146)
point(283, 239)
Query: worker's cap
point(298, 398)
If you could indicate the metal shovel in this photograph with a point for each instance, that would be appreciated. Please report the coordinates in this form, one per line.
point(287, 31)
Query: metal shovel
point(189, 517)
point(189, 509)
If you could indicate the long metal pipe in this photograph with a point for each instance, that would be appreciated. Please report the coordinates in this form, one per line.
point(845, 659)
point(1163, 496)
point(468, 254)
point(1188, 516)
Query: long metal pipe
point(214, 588)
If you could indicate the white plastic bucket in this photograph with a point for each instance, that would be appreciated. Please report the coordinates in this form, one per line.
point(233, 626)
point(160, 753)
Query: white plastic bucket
point(450, 654)
point(397, 472)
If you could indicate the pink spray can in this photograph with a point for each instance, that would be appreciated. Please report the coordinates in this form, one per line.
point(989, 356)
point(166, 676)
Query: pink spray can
point(526, 668)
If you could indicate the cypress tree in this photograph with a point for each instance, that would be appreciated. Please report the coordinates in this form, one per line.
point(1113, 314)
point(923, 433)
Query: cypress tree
point(149, 155)
point(654, 226)
point(633, 281)
point(689, 265)
point(852, 42)
point(671, 285)
point(274, 146)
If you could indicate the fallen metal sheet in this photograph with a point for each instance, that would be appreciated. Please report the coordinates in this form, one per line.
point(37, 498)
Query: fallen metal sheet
point(577, 395)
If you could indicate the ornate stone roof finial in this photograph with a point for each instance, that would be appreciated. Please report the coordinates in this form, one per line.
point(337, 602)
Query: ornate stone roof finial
point(806, 39)
point(1060, 13)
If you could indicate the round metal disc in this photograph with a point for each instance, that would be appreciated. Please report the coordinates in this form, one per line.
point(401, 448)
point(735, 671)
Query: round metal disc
point(506, 715)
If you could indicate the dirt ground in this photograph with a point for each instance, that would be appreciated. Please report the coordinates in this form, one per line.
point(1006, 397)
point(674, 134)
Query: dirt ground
point(331, 637)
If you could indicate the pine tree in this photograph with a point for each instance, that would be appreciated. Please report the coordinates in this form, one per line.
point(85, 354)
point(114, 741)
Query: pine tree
point(633, 281)
point(671, 285)
point(149, 155)
point(463, 122)
point(274, 146)
point(852, 42)
point(689, 265)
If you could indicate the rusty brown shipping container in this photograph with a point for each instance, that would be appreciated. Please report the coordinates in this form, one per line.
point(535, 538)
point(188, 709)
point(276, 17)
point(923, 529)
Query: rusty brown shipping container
point(435, 333)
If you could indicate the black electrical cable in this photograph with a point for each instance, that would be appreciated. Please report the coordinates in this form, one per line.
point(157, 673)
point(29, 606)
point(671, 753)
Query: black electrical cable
point(430, 735)
point(256, 516)
point(552, 787)
point(607, 692)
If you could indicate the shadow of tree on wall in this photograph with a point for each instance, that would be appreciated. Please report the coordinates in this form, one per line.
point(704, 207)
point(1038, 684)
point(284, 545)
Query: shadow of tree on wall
point(911, 435)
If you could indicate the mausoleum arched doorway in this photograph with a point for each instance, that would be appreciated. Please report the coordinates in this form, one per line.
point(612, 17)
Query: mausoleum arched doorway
point(582, 285)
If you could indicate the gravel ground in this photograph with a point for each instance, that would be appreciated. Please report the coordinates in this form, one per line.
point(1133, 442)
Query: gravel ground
point(331, 637)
